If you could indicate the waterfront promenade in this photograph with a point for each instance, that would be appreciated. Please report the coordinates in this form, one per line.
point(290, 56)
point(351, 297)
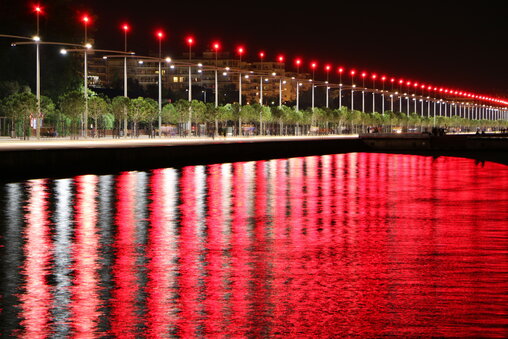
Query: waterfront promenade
point(23, 159)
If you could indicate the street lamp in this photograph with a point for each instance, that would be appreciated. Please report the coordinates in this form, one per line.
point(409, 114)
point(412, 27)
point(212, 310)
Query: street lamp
point(280, 59)
point(261, 58)
point(340, 70)
point(160, 35)
point(327, 69)
point(364, 75)
point(353, 72)
point(313, 65)
point(86, 20)
point(190, 42)
point(216, 47)
point(374, 77)
point(240, 50)
point(126, 29)
point(298, 62)
point(37, 39)
point(383, 79)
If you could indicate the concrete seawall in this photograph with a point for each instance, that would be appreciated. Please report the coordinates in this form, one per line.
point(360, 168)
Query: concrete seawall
point(68, 159)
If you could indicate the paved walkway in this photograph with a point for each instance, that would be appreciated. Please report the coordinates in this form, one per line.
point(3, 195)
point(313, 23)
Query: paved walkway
point(9, 144)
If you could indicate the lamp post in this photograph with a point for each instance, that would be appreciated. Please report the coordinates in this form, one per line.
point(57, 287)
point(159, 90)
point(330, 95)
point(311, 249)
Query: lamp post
point(86, 20)
point(240, 50)
point(37, 39)
point(190, 42)
point(392, 81)
point(383, 79)
point(327, 69)
point(126, 29)
point(364, 74)
point(313, 65)
point(216, 47)
point(298, 63)
point(407, 96)
point(374, 77)
point(353, 72)
point(340, 70)
point(280, 59)
point(261, 58)
point(160, 36)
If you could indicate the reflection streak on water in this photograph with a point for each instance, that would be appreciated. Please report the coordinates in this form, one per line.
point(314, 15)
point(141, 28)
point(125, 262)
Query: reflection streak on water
point(356, 244)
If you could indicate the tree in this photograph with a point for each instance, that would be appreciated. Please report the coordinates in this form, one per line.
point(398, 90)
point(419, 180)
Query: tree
point(97, 108)
point(72, 105)
point(20, 107)
point(120, 109)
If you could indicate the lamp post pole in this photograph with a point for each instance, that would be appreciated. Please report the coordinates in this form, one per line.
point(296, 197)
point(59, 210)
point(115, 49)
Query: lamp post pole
point(298, 62)
point(353, 72)
point(340, 70)
point(86, 20)
point(281, 60)
point(37, 39)
point(261, 57)
point(216, 47)
point(190, 42)
point(313, 65)
point(160, 35)
point(327, 69)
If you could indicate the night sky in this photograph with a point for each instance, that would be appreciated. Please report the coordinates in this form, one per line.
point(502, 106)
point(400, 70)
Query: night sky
point(444, 44)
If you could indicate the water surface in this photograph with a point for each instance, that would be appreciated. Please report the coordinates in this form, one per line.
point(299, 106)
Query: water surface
point(336, 245)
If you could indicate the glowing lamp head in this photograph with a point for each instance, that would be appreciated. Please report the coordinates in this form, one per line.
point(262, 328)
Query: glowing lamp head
point(364, 74)
point(240, 50)
point(408, 83)
point(328, 68)
point(160, 35)
point(280, 58)
point(216, 46)
point(340, 70)
point(401, 81)
point(85, 19)
point(415, 84)
point(298, 62)
point(190, 40)
point(374, 76)
point(261, 55)
point(125, 27)
point(383, 78)
point(313, 65)
point(392, 80)
point(38, 9)
point(429, 88)
point(353, 72)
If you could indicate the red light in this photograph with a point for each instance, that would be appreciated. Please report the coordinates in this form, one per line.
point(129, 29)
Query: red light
point(261, 54)
point(408, 83)
point(240, 50)
point(383, 78)
point(340, 70)
point(280, 58)
point(38, 9)
point(298, 62)
point(125, 27)
point(85, 19)
point(328, 68)
point(160, 34)
point(415, 84)
point(374, 76)
point(392, 80)
point(353, 72)
point(364, 74)
point(216, 46)
point(313, 65)
point(429, 88)
point(190, 41)
point(423, 86)
point(401, 81)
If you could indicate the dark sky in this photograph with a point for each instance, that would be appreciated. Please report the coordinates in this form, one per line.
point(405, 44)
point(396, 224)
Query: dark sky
point(443, 43)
